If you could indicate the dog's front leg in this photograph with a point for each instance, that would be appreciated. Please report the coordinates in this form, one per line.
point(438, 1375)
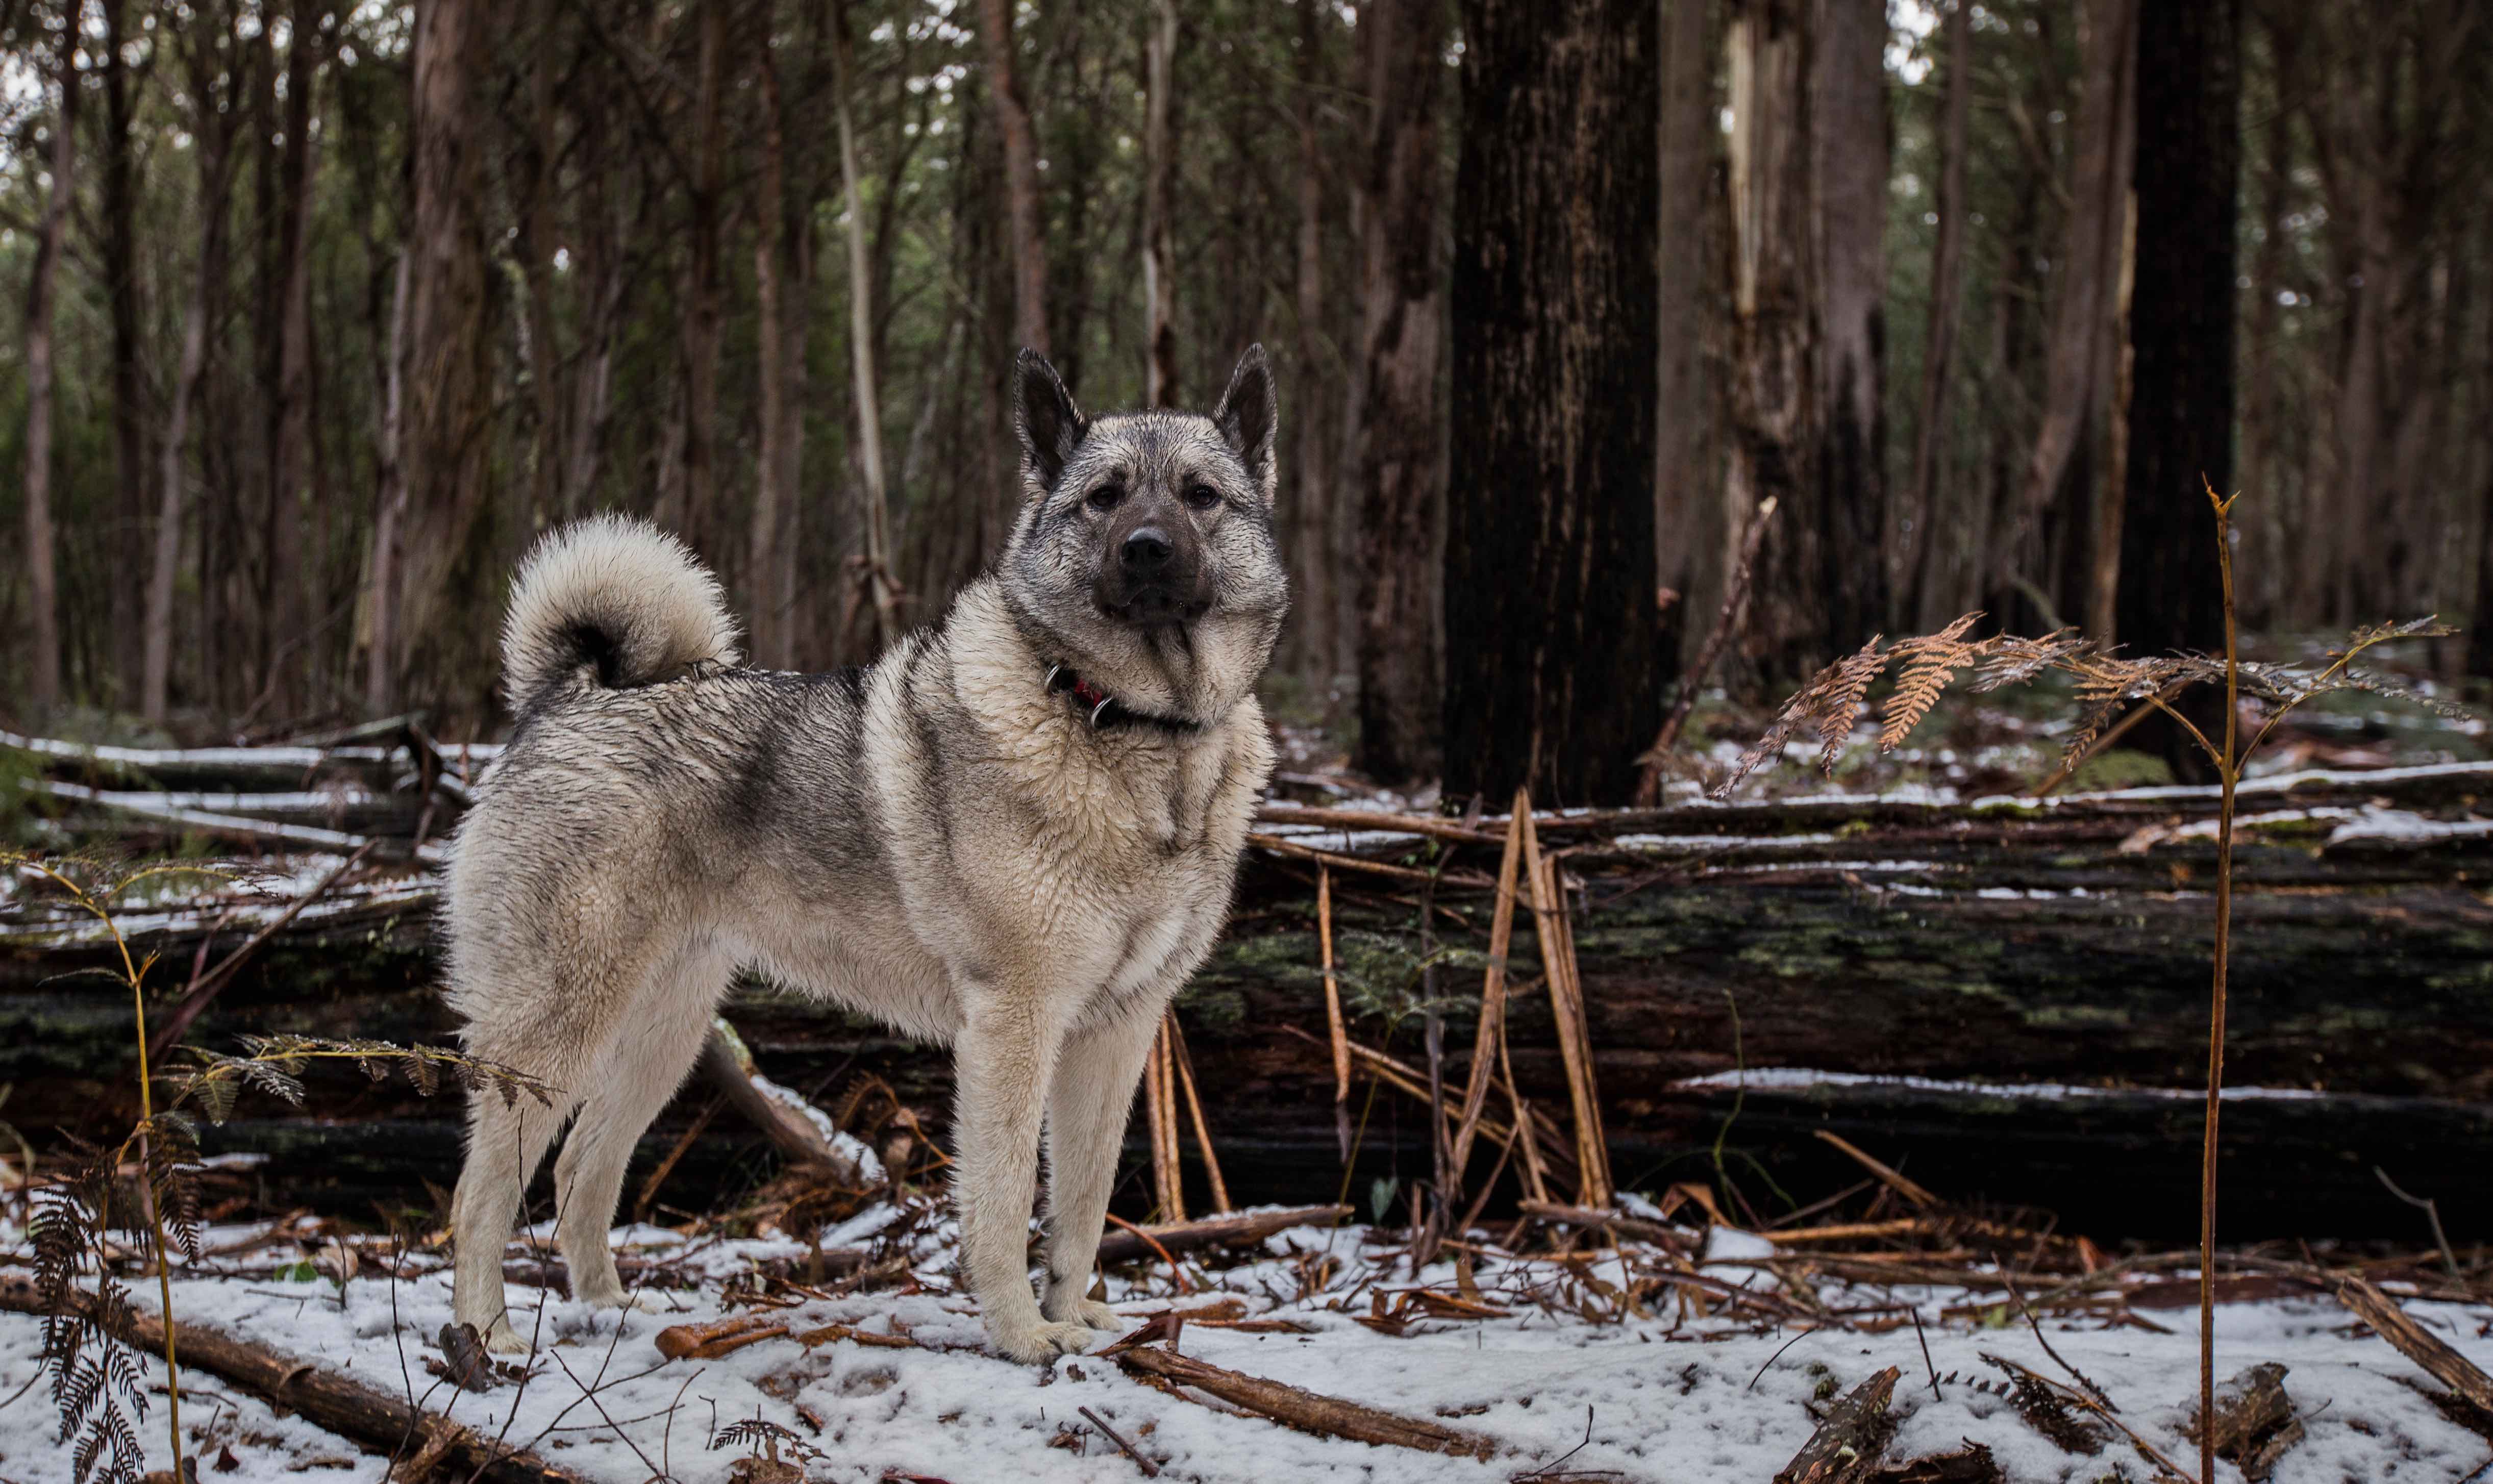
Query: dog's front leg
point(1086, 1129)
point(1004, 1064)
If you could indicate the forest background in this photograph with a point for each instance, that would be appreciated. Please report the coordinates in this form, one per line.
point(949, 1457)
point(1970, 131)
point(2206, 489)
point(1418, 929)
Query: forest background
point(328, 309)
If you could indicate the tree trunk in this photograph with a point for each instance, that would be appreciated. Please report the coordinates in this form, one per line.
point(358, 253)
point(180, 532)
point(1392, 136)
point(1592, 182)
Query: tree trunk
point(384, 567)
point(1159, 188)
point(295, 564)
point(1400, 429)
point(213, 142)
point(1684, 479)
point(1947, 290)
point(1021, 175)
point(869, 407)
point(1549, 592)
point(2181, 336)
point(1849, 150)
point(1313, 559)
point(1776, 419)
point(776, 332)
point(121, 292)
point(547, 445)
point(449, 564)
point(43, 620)
point(696, 508)
point(2075, 368)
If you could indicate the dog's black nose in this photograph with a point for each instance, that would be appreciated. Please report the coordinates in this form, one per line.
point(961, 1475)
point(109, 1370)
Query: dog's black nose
point(1147, 549)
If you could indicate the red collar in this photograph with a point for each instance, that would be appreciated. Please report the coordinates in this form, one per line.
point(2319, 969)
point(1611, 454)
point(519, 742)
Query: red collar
point(1101, 709)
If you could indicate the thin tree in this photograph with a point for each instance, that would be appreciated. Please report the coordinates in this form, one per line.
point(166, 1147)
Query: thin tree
point(2077, 358)
point(121, 186)
point(1308, 510)
point(1684, 478)
point(1021, 175)
point(1849, 168)
point(44, 619)
point(877, 578)
point(207, 49)
point(1401, 426)
point(779, 334)
point(1159, 190)
point(1947, 291)
point(1549, 586)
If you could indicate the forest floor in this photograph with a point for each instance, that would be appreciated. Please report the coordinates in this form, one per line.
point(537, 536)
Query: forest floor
point(1578, 1366)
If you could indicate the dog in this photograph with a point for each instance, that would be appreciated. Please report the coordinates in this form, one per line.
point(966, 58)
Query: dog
point(1017, 833)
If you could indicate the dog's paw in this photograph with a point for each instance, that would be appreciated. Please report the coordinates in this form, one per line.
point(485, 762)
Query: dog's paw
point(502, 1340)
point(1091, 1313)
point(1041, 1343)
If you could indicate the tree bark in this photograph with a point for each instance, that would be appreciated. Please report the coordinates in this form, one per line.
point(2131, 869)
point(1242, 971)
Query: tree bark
point(1947, 291)
point(1314, 561)
point(2181, 336)
point(1777, 421)
point(695, 510)
point(121, 293)
point(1401, 498)
point(869, 407)
point(1549, 592)
point(1021, 175)
point(1848, 157)
point(44, 618)
point(1159, 191)
point(212, 132)
point(448, 562)
point(1684, 477)
point(537, 189)
point(780, 330)
point(295, 565)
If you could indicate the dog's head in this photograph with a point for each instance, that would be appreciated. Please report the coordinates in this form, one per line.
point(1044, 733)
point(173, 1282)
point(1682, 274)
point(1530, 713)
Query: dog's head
point(1144, 548)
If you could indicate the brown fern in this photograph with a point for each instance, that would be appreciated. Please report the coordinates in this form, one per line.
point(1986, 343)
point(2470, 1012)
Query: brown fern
point(1842, 709)
point(1928, 663)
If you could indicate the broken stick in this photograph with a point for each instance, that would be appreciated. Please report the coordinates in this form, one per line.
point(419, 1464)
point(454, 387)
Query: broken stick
point(1310, 1412)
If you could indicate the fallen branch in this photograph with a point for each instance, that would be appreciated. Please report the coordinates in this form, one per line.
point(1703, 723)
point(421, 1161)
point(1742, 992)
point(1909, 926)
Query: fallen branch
point(325, 1398)
point(1726, 624)
point(227, 826)
point(1305, 1410)
point(713, 1338)
point(203, 989)
point(1213, 1232)
point(780, 1114)
point(1630, 1227)
point(2417, 1343)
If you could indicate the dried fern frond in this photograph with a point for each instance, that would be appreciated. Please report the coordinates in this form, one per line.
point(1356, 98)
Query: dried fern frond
point(2011, 660)
point(273, 1065)
point(1927, 664)
point(1805, 705)
point(1842, 709)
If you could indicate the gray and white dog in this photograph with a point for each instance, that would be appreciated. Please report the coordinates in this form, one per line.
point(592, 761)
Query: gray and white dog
point(1016, 833)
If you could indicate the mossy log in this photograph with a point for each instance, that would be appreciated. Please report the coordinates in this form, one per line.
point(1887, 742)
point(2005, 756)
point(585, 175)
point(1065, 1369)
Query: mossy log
point(2001, 953)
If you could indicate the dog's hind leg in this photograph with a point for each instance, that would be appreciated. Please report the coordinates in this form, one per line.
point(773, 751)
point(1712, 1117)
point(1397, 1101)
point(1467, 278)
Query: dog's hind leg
point(654, 1045)
point(505, 1141)
point(1086, 1128)
point(1004, 1062)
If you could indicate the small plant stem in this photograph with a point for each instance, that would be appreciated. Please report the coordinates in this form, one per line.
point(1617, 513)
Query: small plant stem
point(2228, 774)
point(148, 1191)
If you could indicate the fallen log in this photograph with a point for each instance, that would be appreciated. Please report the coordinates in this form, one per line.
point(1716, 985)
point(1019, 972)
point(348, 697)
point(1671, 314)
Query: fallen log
point(1233, 1231)
point(1305, 1410)
point(1629, 1226)
point(326, 1398)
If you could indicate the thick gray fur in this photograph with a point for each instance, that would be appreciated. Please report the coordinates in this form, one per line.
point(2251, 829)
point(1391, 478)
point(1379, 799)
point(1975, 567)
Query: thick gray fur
point(941, 840)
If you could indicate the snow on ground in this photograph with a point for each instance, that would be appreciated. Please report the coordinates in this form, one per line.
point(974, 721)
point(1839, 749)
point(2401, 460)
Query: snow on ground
point(1662, 1396)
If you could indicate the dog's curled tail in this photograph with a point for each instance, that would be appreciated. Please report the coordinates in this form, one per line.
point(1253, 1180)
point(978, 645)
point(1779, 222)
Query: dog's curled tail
point(614, 602)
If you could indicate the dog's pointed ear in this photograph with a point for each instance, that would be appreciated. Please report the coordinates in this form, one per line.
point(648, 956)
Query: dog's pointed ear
point(1050, 426)
point(1245, 416)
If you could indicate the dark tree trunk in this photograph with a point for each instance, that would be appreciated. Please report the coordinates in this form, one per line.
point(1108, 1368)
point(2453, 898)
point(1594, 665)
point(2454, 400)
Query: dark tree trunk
point(2181, 336)
point(1549, 559)
point(1849, 174)
point(449, 563)
point(130, 551)
point(1400, 427)
point(43, 593)
point(1307, 508)
point(1938, 353)
point(1687, 527)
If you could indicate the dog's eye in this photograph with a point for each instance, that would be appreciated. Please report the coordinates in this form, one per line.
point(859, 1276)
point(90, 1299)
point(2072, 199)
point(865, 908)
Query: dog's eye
point(1203, 497)
point(1105, 497)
